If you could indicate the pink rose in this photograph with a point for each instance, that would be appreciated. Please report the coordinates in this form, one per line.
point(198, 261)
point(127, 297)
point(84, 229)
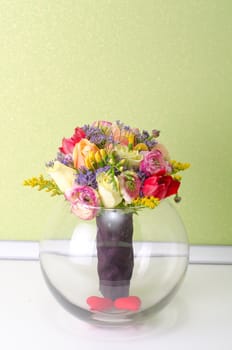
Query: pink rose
point(121, 135)
point(163, 150)
point(68, 144)
point(153, 163)
point(116, 132)
point(84, 201)
point(81, 151)
point(160, 186)
point(129, 185)
point(102, 124)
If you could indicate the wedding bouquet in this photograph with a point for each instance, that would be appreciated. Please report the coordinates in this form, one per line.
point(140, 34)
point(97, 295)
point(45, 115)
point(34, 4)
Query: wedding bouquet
point(111, 165)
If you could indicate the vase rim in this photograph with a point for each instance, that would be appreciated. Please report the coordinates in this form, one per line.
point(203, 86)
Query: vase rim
point(101, 208)
point(129, 208)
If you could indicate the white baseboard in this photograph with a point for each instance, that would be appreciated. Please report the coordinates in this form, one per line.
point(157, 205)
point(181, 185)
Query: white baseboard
point(208, 254)
point(199, 254)
point(19, 250)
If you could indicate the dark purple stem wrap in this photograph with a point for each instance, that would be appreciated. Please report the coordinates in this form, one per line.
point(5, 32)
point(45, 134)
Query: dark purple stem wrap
point(115, 253)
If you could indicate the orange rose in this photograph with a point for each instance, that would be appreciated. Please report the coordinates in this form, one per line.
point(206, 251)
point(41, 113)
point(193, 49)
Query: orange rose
point(81, 150)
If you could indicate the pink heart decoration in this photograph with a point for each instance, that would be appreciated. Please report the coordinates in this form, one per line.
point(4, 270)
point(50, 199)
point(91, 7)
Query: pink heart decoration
point(131, 303)
point(99, 304)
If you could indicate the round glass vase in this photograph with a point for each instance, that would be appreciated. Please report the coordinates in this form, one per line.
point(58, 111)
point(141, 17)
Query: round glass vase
point(120, 267)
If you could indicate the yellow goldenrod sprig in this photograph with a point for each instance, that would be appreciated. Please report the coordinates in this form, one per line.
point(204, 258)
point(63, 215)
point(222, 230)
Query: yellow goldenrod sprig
point(149, 202)
point(177, 177)
point(178, 166)
point(43, 184)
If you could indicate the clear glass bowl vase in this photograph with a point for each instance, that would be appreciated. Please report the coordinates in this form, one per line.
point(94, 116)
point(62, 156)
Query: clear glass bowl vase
point(118, 268)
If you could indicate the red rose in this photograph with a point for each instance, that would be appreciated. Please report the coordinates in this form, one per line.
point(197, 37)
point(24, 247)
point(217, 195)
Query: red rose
point(68, 144)
point(160, 186)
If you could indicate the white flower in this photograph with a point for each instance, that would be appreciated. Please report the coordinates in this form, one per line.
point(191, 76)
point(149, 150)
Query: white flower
point(108, 189)
point(62, 175)
point(132, 157)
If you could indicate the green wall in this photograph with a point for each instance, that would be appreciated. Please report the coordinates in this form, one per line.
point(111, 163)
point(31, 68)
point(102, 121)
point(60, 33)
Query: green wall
point(151, 63)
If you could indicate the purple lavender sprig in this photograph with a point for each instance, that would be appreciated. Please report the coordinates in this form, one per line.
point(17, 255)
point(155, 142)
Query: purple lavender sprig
point(142, 176)
point(86, 177)
point(96, 135)
point(145, 137)
point(65, 159)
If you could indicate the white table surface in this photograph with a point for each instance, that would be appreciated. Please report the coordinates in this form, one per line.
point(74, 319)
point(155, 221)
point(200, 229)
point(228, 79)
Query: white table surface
point(199, 317)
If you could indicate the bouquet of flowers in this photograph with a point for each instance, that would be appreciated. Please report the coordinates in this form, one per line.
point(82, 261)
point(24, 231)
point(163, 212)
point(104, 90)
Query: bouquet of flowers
point(112, 166)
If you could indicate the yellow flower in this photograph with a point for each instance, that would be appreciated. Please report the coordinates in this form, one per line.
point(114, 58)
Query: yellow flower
point(149, 202)
point(42, 184)
point(96, 160)
point(141, 147)
point(178, 166)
